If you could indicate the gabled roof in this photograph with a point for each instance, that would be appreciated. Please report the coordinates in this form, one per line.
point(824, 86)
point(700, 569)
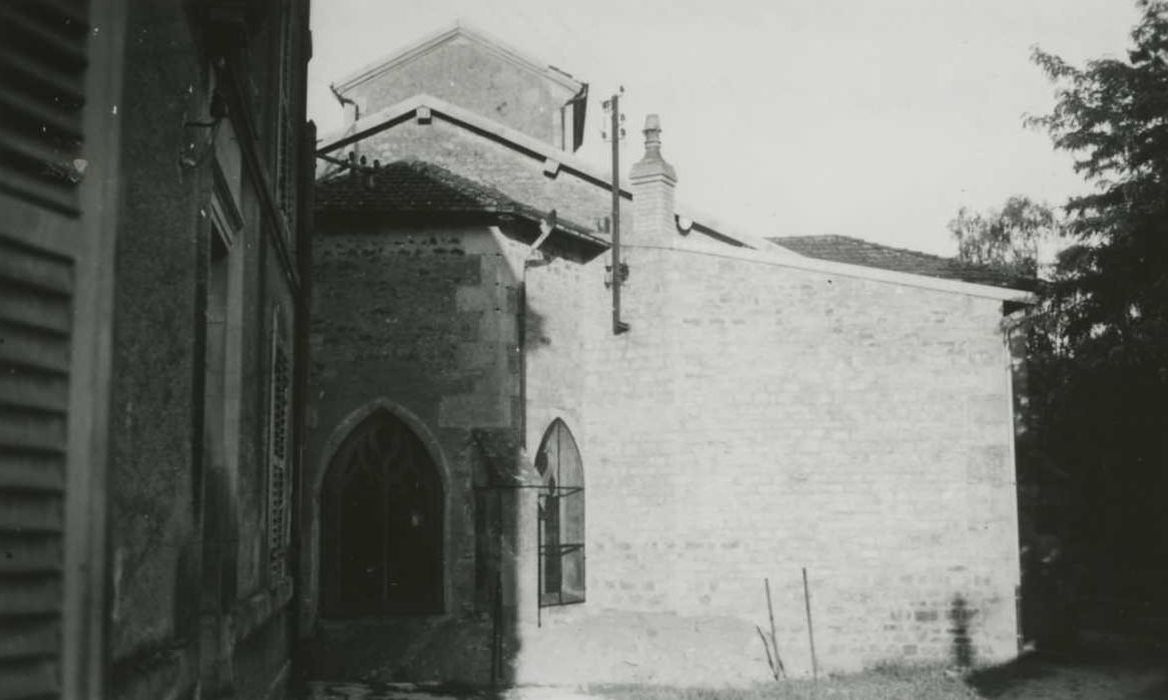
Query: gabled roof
point(418, 187)
point(512, 139)
point(854, 251)
point(753, 248)
point(445, 36)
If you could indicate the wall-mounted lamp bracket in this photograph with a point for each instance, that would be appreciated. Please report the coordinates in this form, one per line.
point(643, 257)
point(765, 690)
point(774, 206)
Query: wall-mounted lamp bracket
point(218, 110)
point(624, 274)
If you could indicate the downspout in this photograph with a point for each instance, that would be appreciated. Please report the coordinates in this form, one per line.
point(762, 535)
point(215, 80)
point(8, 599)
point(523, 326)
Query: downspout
point(356, 114)
point(346, 101)
point(532, 259)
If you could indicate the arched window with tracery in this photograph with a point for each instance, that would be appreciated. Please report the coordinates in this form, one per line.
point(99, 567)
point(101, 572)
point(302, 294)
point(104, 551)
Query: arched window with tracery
point(561, 518)
point(381, 513)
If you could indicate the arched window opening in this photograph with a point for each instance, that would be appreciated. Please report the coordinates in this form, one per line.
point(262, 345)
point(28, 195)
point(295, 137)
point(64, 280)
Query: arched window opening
point(561, 518)
point(382, 523)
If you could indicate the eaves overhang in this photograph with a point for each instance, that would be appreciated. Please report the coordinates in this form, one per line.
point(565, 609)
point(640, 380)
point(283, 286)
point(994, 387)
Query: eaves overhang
point(436, 40)
point(747, 249)
point(513, 139)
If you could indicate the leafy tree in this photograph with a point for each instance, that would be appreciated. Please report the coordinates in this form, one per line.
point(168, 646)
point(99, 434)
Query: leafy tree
point(1009, 238)
point(1103, 380)
point(1113, 117)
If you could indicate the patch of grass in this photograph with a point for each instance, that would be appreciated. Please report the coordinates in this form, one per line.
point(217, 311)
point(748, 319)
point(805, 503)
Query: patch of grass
point(884, 683)
point(995, 681)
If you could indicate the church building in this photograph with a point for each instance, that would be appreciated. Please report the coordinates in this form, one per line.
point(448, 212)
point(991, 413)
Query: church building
point(514, 475)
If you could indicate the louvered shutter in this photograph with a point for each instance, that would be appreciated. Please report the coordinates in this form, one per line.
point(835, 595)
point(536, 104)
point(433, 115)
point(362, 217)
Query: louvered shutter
point(287, 138)
point(42, 91)
point(42, 87)
point(35, 321)
point(279, 487)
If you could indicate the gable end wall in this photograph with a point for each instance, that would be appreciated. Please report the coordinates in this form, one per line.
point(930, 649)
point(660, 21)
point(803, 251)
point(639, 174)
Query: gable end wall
point(475, 78)
point(757, 421)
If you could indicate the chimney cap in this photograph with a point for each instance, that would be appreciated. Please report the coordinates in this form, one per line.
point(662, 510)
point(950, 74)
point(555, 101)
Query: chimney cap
point(653, 164)
point(652, 131)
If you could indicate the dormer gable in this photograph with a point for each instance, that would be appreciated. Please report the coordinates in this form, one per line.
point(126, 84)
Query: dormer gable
point(479, 73)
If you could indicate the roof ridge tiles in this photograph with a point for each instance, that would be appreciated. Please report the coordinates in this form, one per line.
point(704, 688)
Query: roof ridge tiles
point(393, 191)
point(857, 251)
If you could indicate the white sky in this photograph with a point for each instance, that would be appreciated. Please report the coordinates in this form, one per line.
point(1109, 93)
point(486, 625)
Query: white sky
point(868, 118)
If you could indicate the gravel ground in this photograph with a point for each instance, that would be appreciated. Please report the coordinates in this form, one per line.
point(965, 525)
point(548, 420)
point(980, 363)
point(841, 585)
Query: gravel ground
point(1100, 668)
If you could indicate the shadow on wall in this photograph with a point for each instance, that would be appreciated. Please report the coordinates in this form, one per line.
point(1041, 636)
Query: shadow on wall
point(960, 616)
point(498, 494)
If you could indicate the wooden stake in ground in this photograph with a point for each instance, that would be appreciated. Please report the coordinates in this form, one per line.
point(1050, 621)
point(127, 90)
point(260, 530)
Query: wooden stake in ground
point(810, 628)
point(766, 645)
point(774, 640)
point(771, 645)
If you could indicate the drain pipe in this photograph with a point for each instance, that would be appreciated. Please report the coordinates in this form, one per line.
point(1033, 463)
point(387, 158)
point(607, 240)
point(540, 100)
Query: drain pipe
point(346, 101)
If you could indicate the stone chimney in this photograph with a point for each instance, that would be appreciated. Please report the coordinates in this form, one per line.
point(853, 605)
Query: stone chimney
point(652, 181)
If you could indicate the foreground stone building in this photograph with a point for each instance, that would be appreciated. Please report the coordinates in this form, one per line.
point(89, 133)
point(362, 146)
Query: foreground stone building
point(151, 278)
point(498, 486)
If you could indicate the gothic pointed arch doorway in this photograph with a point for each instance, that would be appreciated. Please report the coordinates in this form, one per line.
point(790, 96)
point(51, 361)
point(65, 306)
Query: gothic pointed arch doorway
point(381, 517)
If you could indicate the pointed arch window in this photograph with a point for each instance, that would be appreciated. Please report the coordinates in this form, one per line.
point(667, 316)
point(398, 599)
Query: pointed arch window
point(561, 518)
point(382, 509)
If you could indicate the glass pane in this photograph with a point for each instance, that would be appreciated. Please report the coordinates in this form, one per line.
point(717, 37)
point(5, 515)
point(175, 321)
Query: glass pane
point(551, 541)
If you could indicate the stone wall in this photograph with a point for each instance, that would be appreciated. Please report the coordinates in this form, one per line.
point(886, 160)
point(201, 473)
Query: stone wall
point(464, 72)
point(192, 602)
point(422, 322)
point(558, 294)
point(758, 420)
point(153, 521)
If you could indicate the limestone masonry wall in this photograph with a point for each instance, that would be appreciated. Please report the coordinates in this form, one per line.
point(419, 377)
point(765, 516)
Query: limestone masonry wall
point(470, 76)
point(422, 322)
point(554, 340)
point(757, 420)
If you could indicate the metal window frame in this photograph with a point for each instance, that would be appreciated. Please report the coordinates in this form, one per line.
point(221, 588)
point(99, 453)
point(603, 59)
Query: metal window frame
point(551, 599)
point(560, 550)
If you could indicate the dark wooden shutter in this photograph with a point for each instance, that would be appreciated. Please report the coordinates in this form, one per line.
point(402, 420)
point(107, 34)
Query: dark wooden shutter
point(35, 320)
point(278, 484)
point(42, 74)
point(288, 139)
point(42, 91)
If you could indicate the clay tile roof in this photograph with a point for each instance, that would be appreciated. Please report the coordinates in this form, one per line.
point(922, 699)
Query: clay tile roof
point(854, 251)
point(417, 187)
